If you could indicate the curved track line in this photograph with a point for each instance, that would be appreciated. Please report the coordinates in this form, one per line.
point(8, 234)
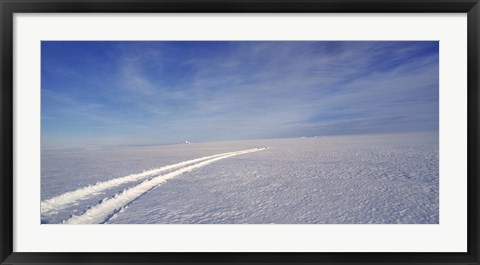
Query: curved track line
point(104, 210)
point(53, 205)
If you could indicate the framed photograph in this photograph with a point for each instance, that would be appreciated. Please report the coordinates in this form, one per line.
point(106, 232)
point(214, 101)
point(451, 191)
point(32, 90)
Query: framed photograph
point(253, 132)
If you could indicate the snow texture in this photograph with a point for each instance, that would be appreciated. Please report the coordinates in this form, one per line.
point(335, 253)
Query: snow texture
point(60, 202)
point(107, 207)
point(378, 179)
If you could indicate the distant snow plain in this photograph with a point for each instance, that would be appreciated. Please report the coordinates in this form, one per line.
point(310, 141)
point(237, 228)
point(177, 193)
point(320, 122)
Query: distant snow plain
point(365, 179)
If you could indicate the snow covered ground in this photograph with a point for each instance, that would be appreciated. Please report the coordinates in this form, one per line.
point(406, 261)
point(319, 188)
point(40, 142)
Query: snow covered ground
point(336, 180)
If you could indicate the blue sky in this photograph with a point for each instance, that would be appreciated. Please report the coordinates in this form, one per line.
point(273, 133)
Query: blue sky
point(128, 93)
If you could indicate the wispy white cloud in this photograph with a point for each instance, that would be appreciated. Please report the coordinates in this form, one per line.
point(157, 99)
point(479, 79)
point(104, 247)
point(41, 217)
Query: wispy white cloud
point(168, 91)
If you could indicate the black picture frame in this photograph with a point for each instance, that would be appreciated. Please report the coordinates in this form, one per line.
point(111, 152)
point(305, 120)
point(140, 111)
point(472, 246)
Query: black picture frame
point(9, 7)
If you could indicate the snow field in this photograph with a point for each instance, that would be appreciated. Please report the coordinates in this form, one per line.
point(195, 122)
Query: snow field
point(378, 179)
point(109, 206)
point(53, 205)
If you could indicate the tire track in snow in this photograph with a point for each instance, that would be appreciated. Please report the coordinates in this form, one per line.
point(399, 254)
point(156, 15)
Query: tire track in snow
point(53, 205)
point(108, 207)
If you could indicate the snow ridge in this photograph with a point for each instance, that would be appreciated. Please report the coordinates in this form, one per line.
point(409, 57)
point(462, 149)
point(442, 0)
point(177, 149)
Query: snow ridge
point(103, 211)
point(53, 205)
